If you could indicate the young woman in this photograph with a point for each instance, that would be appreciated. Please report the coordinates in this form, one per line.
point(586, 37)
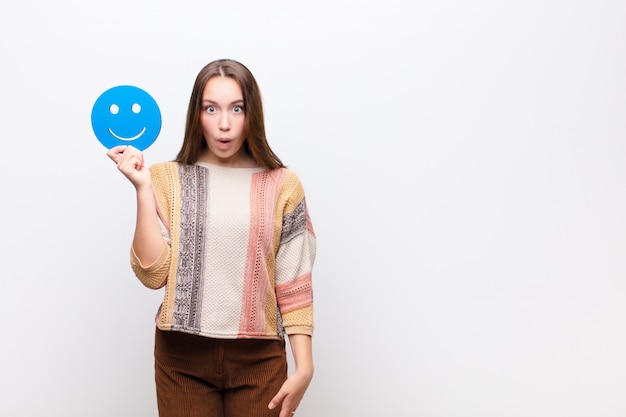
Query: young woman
point(226, 230)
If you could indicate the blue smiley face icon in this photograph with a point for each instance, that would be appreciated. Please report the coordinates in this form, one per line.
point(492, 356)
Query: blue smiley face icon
point(126, 115)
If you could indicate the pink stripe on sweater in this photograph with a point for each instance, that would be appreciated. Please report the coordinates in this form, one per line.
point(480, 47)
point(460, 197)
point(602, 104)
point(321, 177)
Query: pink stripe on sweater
point(264, 192)
point(295, 294)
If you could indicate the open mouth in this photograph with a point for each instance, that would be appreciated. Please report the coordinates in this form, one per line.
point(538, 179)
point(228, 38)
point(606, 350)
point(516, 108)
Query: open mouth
point(128, 139)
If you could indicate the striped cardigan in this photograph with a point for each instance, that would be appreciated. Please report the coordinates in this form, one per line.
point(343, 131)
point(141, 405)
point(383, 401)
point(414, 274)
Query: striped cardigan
point(237, 255)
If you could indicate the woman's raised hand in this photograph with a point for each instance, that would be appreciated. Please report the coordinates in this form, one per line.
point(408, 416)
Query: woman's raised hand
point(129, 161)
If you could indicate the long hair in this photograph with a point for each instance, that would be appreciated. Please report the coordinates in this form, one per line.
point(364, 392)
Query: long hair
point(255, 143)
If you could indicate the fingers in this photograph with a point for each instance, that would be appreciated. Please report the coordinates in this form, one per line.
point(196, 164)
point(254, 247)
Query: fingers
point(277, 400)
point(130, 162)
point(288, 409)
point(126, 156)
point(284, 412)
point(115, 152)
point(135, 158)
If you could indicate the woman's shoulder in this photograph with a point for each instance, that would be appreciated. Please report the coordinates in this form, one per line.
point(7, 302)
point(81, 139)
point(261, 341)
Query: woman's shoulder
point(164, 164)
point(283, 174)
point(288, 179)
point(163, 167)
point(164, 175)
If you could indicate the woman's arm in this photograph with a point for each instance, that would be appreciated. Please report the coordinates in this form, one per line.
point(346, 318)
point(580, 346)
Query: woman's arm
point(295, 386)
point(148, 241)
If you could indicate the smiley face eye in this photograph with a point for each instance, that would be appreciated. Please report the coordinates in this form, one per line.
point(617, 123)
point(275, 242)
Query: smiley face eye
point(114, 109)
point(136, 108)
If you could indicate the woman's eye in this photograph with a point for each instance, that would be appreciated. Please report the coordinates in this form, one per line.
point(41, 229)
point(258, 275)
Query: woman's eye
point(210, 109)
point(238, 109)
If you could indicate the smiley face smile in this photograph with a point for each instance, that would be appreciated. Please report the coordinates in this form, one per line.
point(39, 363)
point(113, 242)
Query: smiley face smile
point(128, 139)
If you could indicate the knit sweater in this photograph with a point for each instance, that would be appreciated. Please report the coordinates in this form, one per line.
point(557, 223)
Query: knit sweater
point(237, 255)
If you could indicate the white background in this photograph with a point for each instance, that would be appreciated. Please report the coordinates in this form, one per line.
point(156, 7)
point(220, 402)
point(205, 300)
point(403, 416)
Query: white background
point(464, 168)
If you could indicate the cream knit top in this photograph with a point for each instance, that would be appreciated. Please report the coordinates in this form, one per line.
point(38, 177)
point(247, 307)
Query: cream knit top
point(238, 252)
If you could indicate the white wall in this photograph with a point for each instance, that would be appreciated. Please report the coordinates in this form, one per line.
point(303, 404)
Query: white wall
point(464, 167)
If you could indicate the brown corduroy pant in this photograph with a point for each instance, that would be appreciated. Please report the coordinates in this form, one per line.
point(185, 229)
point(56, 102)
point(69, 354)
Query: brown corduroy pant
point(198, 376)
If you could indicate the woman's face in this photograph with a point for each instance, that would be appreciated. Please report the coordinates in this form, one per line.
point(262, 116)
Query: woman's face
point(223, 123)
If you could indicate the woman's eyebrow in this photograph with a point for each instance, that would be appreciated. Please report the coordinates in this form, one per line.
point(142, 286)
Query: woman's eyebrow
point(208, 101)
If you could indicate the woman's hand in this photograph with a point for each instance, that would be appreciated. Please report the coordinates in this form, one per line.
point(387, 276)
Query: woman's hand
point(130, 162)
point(291, 393)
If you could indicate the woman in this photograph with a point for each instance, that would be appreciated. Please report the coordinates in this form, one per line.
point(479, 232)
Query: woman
point(226, 230)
